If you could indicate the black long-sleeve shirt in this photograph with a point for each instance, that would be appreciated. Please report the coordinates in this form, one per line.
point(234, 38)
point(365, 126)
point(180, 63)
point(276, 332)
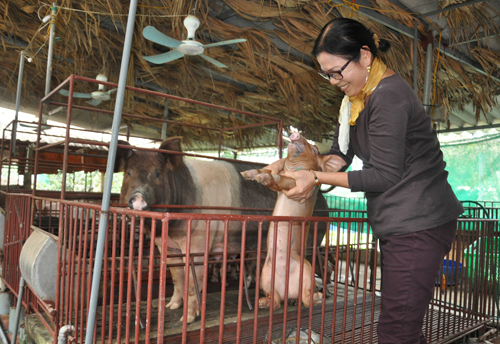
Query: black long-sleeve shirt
point(403, 175)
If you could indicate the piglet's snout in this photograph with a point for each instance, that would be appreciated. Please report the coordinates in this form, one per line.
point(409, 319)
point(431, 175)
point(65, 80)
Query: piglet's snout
point(295, 136)
point(138, 202)
point(296, 145)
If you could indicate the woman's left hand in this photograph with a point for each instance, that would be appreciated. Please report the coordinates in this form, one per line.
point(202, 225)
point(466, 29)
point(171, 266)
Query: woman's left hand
point(305, 184)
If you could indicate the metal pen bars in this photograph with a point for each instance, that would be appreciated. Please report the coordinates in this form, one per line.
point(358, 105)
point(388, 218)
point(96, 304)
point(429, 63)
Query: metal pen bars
point(136, 282)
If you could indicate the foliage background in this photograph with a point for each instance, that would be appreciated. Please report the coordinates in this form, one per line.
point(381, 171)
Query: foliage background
point(474, 167)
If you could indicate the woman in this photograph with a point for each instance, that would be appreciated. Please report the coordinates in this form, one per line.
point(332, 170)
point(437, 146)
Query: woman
point(412, 209)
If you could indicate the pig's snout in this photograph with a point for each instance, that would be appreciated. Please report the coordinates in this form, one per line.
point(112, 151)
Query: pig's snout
point(297, 144)
point(295, 136)
point(138, 202)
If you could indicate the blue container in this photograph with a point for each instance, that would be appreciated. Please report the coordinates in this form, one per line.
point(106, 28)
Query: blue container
point(451, 272)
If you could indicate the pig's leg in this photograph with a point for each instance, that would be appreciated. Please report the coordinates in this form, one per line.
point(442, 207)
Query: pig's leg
point(234, 269)
point(283, 182)
point(197, 246)
point(266, 275)
point(265, 302)
point(177, 276)
point(274, 182)
point(178, 280)
point(265, 283)
point(215, 273)
point(307, 287)
point(295, 267)
point(250, 174)
point(193, 305)
point(251, 268)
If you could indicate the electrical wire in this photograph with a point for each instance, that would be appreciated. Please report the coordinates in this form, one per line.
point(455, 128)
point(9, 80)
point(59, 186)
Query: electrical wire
point(42, 26)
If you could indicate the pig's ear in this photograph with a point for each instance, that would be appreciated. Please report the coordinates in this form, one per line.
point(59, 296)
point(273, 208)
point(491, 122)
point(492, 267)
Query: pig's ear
point(315, 150)
point(331, 163)
point(172, 144)
point(122, 155)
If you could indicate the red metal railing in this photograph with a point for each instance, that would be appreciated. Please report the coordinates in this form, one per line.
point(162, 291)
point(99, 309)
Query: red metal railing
point(17, 230)
point(136, 283)
point(130, 250)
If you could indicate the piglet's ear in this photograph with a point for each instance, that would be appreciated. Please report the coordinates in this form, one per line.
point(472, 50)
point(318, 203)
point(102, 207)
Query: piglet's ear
point(315, 150)
point(331, 163)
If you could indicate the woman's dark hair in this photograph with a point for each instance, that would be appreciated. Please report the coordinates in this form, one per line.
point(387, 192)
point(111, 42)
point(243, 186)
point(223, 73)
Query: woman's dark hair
point(344, 37)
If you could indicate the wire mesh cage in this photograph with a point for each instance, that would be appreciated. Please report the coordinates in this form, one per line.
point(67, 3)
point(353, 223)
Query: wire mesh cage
point(290, 336)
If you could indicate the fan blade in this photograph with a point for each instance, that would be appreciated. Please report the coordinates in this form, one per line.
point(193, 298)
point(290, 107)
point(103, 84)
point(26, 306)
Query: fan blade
point(231, 41)
point(164, 58)
point(156, 36)
point(76, 94)
point(28, 126)
point(215, 62)
point(111, 91)
point(35, 126)
point(64, 93)
point(94, 102)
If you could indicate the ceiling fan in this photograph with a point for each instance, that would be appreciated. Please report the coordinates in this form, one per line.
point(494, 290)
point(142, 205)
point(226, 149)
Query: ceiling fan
point(95, 97)
point(189, 46)
point(34, 126)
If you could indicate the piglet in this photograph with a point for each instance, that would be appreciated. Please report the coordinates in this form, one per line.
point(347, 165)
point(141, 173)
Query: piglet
point(301, 156)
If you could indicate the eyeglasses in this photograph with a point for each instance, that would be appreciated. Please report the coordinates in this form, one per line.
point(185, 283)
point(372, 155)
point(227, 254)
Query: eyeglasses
point(337, 75)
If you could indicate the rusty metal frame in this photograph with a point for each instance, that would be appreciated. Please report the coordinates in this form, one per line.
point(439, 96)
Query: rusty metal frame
point(127, 240)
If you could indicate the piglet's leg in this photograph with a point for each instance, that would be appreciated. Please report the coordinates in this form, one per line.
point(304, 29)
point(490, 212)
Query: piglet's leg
point(265, 302)
point(274, 182)
point(282, 183)
point(266, 286)
point(250, 174)
point(307, 286)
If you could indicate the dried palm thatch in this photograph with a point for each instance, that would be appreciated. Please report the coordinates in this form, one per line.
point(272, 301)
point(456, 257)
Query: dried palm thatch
point(262, 77)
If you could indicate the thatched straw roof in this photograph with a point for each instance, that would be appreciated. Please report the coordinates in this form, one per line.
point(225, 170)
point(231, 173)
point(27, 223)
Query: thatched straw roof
point(272, 73)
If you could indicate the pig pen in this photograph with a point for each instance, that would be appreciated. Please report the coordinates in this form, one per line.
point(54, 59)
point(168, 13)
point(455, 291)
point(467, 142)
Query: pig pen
point(135, 283)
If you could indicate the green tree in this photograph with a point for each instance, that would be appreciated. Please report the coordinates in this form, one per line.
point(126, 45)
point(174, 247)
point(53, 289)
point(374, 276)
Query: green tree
point(473, 167)
point(78, 181)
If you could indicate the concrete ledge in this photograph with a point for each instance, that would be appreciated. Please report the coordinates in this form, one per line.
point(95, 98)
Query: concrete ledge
point(36, 330)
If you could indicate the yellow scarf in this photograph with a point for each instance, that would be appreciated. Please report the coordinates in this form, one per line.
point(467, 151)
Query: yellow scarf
point(378, 69)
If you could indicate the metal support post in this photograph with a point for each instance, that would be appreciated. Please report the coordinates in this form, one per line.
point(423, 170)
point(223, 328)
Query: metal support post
point(103, 220)
point(18, 309)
